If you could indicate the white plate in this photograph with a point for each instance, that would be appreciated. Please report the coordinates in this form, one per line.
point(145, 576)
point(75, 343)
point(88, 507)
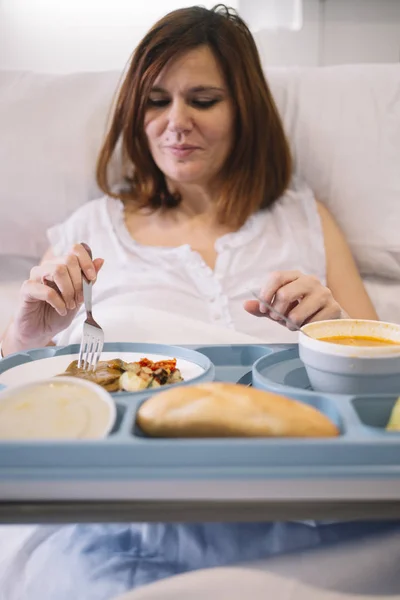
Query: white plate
point(44, 368)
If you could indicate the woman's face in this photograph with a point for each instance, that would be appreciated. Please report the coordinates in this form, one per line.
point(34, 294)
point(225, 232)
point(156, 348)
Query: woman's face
point(189, 120)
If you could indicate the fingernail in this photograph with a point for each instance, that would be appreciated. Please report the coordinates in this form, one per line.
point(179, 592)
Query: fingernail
point(63, 312)
point(91, 273)
point(72, 305)
point(263, 308)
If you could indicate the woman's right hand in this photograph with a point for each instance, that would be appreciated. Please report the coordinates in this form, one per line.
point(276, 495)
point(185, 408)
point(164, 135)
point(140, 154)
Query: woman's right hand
point(49, 299)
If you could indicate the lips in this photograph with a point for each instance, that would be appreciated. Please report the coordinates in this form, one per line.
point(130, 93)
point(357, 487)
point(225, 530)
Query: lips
point(182, 150)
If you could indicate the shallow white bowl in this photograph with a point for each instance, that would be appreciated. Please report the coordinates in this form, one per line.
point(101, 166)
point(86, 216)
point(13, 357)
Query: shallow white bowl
point(341, 369)
point(101, 394)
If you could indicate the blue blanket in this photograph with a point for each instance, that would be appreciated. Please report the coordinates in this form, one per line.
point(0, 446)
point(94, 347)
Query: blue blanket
point(98, 562)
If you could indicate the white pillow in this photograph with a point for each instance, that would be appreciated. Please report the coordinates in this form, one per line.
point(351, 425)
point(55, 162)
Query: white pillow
point(51, 129)
point(344, 126)
point(385, 295)
point(13, 271)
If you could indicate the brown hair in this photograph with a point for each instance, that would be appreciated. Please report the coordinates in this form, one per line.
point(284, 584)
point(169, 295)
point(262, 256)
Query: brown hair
point(258, 169)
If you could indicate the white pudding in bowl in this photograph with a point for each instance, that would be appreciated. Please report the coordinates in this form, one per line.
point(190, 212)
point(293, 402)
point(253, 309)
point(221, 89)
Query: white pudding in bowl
point(62, 408)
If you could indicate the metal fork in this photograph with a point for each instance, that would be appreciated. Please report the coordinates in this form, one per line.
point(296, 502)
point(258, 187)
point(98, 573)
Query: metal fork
point(92, 335)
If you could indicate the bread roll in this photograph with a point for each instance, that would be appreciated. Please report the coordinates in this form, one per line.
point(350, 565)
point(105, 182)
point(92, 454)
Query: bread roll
point(229, 410)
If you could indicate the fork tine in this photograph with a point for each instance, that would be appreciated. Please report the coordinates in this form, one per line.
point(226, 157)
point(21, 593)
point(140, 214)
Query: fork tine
point(97, 353)
point(82, 352)
point(94, 359)
point(87, 341)
point(90, 353)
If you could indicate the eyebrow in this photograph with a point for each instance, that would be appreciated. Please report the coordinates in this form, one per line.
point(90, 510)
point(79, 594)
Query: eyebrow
point(197, 88)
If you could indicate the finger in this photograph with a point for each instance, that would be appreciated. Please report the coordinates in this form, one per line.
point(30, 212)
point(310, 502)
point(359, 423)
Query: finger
point(61, 276)
point(56, 276)
point(310, 306)
point(275, 281)
point(328, 313)
point(277, 317)
point(37, 273)
point(33, 290)
point(98, 263)
point(85, 261)
point(253, 307)
point(287, 296)
point(75, 273)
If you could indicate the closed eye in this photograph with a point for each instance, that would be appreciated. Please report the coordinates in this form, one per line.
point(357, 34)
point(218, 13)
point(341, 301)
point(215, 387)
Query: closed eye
point(158, 103)
point(201, 104)
point(204, 104)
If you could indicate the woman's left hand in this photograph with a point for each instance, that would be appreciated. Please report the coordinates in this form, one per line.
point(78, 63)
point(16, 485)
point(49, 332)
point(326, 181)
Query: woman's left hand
point(300, 297)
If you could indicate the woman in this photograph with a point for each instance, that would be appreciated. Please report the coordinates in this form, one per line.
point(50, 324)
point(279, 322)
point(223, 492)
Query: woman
point(209, 211)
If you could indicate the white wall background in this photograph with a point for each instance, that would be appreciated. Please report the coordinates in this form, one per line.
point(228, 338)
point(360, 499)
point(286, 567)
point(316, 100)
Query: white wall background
point(76, 35)
point(361, 30)
point(336, 32)
point(81, 35)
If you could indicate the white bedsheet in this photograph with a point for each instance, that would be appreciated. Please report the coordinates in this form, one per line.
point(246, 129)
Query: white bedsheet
point(122, 321)
point(368, 570)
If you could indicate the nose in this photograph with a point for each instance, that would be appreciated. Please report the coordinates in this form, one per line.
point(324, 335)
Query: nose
point(179, 117)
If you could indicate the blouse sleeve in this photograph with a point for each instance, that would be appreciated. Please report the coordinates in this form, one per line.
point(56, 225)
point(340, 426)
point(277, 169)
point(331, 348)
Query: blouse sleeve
point(77, 228)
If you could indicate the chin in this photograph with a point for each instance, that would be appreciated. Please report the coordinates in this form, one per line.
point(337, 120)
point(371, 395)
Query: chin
point(194, 176)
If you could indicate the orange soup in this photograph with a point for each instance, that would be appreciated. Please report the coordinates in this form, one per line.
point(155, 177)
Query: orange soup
point(347, 340)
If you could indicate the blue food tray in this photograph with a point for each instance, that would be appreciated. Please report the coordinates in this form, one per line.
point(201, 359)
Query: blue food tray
point(130, 465)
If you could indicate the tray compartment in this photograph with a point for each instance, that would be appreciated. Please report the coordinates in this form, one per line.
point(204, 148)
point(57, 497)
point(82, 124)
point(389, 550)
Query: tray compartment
point(282, 372)
point(326, 405)
point(125, 429)
point(234, 363)
point(121, 413)
point(235, 356)
point(374, 411)
point(335, 411)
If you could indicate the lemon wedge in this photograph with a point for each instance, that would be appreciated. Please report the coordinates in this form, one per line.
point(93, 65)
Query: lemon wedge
point(394, 420)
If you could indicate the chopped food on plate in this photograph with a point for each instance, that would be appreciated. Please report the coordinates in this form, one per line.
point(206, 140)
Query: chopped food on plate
point(117, 375)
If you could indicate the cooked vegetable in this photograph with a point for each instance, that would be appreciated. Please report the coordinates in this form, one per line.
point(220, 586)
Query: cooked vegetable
point(130, 382)
point(116, 374)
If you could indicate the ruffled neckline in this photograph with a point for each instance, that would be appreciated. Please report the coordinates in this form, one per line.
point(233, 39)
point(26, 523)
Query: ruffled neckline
point(249, 231)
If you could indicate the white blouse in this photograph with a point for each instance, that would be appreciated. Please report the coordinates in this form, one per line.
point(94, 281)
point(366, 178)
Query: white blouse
point(177, 281)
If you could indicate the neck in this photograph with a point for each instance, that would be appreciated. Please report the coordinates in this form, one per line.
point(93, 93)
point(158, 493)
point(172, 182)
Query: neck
point(197, 201)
